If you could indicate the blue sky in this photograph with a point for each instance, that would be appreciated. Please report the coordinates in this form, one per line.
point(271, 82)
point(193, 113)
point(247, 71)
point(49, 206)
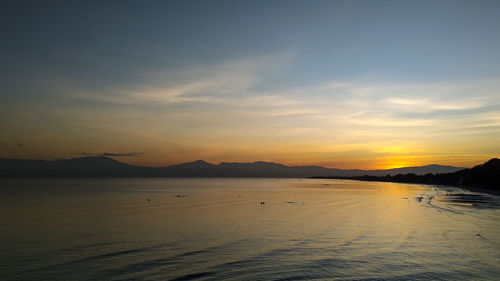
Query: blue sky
point(336, 83)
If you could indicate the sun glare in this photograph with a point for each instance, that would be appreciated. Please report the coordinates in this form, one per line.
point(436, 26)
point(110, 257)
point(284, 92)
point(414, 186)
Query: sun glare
point(397, 163)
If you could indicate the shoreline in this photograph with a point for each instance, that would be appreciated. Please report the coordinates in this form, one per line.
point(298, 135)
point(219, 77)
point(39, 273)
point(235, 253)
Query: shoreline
point(488, 191)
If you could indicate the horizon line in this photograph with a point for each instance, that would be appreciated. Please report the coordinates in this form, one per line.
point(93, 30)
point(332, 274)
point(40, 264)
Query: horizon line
point(229, 162)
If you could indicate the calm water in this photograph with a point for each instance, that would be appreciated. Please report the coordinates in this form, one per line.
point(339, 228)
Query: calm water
point(213, 229)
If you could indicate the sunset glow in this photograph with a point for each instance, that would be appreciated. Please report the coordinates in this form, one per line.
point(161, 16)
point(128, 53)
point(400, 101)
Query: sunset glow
point(327, 91)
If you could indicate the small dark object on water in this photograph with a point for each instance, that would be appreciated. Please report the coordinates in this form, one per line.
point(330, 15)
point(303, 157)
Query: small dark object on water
point(404, 197)
point(262, 202)
point(419, 199)
point(179, 195)
point(149, 200)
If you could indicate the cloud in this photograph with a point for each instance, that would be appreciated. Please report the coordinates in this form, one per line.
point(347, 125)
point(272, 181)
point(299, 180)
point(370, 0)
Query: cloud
point(129, 154)
point(238, 87)
point(196, 84)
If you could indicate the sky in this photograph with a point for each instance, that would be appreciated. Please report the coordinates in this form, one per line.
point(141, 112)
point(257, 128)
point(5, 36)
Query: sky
point(342, 84)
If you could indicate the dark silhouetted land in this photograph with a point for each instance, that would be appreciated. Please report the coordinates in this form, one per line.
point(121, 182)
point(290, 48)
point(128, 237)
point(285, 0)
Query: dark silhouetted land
point(484, 177)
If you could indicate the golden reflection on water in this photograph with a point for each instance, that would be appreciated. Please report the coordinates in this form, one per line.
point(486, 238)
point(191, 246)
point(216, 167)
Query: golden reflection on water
point(314, 228)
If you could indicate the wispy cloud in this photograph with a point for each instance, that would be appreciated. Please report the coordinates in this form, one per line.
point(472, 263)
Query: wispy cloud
point(128, 154)
point(234, 86)
point(196, 84)
point(228, 98)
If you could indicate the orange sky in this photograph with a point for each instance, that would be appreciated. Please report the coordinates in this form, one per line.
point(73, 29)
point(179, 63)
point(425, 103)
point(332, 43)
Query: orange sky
point(371, 130)
point(338, 84)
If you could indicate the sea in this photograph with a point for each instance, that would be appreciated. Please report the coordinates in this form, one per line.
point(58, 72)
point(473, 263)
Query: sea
point(245, 229)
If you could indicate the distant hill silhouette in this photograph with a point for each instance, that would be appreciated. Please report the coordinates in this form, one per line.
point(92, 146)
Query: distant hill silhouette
point(485, 176)
point(100, 166)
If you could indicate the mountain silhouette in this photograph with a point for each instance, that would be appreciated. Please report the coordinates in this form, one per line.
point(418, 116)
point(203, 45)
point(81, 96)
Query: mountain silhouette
point(100, 166)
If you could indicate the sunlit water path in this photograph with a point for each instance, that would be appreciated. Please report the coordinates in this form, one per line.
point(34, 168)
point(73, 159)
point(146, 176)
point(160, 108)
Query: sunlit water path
point(244, 229)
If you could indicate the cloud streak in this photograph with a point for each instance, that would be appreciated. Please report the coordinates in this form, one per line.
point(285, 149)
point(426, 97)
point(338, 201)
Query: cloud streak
point(215, 83)
point(107, 154)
